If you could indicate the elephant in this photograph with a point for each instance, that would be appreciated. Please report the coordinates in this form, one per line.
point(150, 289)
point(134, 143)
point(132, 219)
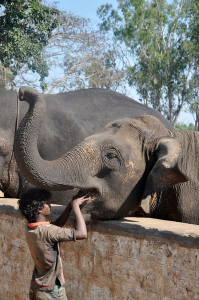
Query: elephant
point(70, 117)
point(129, 163)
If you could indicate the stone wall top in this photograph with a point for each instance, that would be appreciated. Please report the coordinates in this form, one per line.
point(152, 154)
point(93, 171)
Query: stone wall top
point(147, 228)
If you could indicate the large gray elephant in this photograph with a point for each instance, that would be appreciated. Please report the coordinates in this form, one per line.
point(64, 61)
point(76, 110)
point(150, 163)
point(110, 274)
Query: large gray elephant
point(70, 117)
point(127, 164)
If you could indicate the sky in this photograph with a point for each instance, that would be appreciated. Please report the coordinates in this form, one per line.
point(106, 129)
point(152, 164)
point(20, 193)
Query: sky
point(84, 8)
point(88, 9)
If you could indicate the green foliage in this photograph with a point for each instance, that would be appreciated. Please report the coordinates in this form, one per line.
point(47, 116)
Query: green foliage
point(193, 14)
point(25, 28)
point(161, 38)
point(183, 126)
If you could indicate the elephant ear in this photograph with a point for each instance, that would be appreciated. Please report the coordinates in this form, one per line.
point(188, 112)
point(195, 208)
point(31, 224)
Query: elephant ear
point(165, 173)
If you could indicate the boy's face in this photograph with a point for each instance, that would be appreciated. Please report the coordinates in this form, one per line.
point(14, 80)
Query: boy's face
point(45, 211)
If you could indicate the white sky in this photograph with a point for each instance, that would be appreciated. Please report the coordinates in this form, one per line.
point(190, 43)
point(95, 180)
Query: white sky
point(87, 9)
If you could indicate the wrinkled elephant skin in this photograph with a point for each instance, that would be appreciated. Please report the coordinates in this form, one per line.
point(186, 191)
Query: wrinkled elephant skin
point(128, 163)
point(70, 117)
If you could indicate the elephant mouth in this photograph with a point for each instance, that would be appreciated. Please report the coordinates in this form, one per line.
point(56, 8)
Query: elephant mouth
point(93, 194)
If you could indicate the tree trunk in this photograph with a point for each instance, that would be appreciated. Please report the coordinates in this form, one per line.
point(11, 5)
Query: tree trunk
point(3, 79)
point(170, 96)
point(197, 122)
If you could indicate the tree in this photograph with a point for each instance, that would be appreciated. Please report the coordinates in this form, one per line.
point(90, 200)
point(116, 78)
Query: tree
point(79, 56)
point(193, 89)
point(5, 77)
point(183, 126)
point(193, 96)
point(157, 35)
point(25, 29)
point(193, 17)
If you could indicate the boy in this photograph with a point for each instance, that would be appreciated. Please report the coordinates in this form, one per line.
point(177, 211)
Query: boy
point(43, 240)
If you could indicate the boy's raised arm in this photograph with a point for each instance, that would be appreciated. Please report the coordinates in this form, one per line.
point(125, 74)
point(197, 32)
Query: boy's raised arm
point(62, 219)
point(80, 230)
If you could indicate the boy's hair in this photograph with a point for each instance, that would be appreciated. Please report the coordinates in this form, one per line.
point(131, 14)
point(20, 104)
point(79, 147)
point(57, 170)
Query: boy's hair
point(32, 201)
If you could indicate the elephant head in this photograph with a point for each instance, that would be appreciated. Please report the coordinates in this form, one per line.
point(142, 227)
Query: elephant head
point(122, 165)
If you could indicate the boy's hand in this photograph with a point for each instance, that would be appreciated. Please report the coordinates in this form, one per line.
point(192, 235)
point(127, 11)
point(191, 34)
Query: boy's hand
point(79, 201)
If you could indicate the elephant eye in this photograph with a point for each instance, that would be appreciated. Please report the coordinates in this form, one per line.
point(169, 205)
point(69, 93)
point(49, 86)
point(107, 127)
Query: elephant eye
point(111, 156)
point(112, 159)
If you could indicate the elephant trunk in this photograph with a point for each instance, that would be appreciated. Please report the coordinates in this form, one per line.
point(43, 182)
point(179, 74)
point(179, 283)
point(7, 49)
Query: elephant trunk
point(60, 174)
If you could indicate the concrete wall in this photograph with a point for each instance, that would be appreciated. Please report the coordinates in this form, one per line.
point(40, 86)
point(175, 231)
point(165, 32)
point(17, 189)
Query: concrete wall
point(132, 258)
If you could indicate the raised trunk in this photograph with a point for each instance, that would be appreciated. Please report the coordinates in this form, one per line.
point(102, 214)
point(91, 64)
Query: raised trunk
point(60, 174)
